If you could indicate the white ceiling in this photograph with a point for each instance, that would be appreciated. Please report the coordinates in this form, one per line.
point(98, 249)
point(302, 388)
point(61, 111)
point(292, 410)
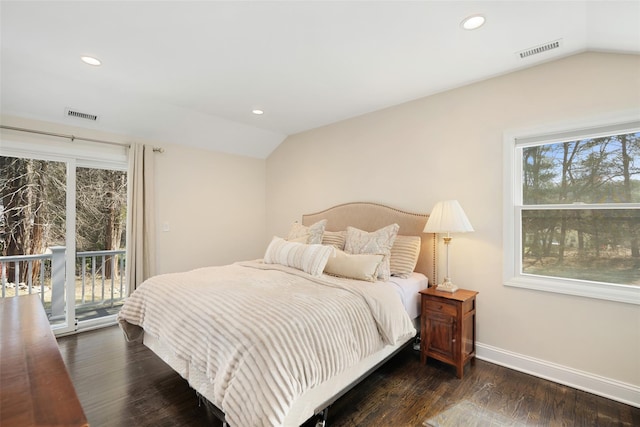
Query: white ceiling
point(191, 72)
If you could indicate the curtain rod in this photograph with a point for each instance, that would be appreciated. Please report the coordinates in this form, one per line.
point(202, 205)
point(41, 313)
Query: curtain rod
point(73, 137)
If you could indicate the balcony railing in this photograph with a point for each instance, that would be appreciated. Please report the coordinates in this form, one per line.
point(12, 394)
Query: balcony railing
point(99, 279)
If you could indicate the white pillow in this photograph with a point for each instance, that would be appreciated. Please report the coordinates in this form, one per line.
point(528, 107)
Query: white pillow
point(301, 239)
point(313, 232)
point(309, 258)
point(376, 242)
point(354, 266)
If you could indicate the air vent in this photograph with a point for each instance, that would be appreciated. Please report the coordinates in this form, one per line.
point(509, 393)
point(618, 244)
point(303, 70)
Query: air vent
point(77, 114)
point(539, 49)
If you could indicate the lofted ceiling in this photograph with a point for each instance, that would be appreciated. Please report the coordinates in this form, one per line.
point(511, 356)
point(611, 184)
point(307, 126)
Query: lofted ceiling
point(191, 72)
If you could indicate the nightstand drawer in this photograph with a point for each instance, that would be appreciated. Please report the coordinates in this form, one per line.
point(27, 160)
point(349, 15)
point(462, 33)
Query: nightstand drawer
point(441, 307)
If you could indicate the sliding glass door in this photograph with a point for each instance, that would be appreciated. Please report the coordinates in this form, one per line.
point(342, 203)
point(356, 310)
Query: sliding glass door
point(101, 217)
point(62, 228)
point(33, 228)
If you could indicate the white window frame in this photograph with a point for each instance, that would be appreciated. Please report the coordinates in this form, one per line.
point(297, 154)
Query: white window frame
point(512, 259)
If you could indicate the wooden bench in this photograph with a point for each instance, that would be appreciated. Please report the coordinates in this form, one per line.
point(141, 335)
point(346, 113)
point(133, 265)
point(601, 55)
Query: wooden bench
point(35, 387)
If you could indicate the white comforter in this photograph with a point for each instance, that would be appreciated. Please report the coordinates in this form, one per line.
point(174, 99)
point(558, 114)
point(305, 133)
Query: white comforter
point(264, 334)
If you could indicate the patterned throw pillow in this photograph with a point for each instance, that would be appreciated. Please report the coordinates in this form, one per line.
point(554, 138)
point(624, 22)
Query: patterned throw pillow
point(404, 255)
point(314, 232)
point(376, 242)
point(309, 258)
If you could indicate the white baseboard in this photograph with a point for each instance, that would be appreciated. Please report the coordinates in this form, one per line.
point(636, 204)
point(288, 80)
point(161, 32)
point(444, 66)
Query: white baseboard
point(601, 386)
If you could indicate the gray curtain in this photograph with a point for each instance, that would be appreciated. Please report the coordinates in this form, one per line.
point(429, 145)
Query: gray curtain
point(141, 229)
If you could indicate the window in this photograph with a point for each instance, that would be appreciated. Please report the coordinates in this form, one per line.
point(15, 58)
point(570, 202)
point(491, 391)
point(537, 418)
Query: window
point(572, 211)
point(64, 202)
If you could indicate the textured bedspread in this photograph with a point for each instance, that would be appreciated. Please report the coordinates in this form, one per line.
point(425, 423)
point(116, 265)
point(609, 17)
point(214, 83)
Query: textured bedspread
point(264, 334)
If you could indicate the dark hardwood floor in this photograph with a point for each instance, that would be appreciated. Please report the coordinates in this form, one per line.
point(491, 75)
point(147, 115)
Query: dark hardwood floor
point(125, 384)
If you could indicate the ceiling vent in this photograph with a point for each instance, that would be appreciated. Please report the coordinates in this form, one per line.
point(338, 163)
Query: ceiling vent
point(539, 49)
point(77, 114)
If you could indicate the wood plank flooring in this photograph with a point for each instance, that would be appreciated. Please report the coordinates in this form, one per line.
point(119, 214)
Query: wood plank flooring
point(125, 384)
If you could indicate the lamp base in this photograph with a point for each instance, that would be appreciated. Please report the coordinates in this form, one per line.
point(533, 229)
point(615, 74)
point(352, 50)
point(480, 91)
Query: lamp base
point(447, 286)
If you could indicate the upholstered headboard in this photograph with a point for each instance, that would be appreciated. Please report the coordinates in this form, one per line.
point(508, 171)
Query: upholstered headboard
point(371, 217)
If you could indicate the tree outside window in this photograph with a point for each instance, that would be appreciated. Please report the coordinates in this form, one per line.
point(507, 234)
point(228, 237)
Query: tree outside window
point(579, 214)
point(33, 209)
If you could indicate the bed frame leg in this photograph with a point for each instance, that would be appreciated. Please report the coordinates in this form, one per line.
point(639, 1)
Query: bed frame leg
point(322, 418)
point(202, 401)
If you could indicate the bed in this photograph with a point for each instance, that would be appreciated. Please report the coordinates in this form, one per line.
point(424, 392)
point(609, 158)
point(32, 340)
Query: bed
point(276, 341)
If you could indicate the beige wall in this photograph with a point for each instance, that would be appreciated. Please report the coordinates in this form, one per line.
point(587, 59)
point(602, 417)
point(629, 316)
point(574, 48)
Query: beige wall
point(214, 203)
point(450, 146)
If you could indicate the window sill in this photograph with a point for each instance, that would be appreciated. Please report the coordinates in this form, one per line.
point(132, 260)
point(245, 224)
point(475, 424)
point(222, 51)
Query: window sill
point(610, 292)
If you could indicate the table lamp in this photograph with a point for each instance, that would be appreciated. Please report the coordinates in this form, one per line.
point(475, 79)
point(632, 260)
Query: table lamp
point(447, 217)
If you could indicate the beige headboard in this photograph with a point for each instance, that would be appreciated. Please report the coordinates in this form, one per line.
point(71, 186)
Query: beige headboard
point(371, 217)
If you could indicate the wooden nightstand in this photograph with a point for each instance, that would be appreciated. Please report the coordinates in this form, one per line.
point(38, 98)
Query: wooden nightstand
point(448, 327)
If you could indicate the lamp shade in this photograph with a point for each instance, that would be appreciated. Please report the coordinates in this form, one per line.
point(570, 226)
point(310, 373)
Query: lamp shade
point(448, 217)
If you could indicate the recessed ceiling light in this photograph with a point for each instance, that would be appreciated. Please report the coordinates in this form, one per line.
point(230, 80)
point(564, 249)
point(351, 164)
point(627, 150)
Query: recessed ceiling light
point(91, 60)
point(257, 111)
point(472, 22)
